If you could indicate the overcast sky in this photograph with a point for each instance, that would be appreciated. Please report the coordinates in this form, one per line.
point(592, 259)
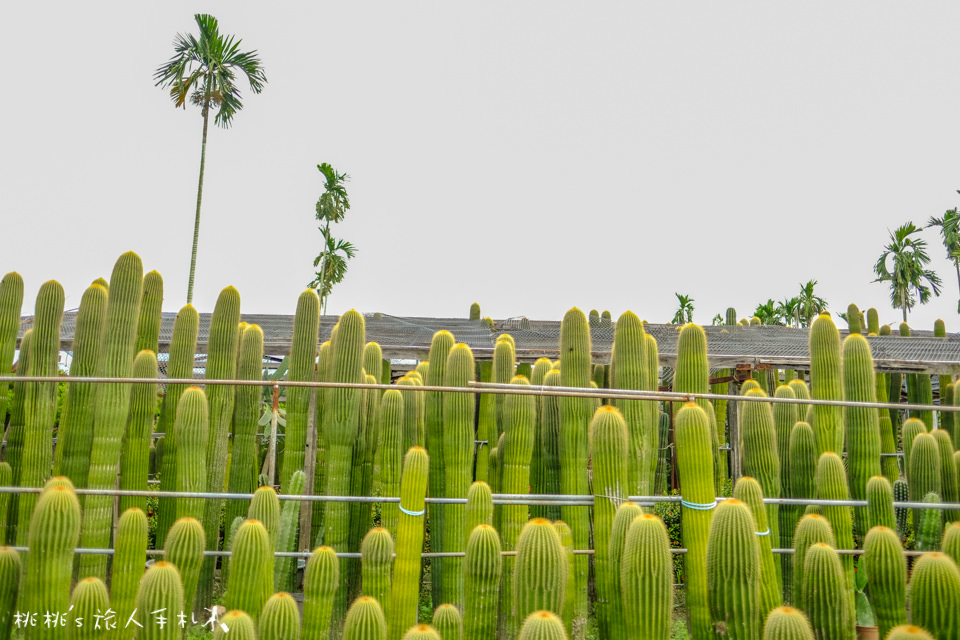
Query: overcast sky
point(531, 156)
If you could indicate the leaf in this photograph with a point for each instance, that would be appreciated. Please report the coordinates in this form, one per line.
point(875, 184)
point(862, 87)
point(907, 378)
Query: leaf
point(265, 418)
point(865, 616)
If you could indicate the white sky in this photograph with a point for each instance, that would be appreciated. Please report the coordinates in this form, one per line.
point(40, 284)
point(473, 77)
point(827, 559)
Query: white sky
point(530, 156)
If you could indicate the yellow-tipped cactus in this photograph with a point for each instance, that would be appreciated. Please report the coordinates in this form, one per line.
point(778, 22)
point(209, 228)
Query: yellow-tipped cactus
point(787, 623)
point(646, 579)
point(733, 571)
point(542, 625)
point(320, 582)
point(251, 569)
point(280, 619)
point(160, 592)
point(365, 621)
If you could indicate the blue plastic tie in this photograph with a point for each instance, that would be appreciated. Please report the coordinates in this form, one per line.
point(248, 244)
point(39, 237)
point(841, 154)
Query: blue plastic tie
point(411, 513)
point(763, 533)
point(698, 507)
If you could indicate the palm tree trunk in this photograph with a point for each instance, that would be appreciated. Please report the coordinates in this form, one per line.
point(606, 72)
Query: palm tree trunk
point(903, 301)
point(957, 265)
point(196, 222)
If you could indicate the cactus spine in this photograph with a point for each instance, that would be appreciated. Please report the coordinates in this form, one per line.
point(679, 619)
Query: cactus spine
point(244, 469)
point(135, 460)
point(886, 569)
point(832, 485)
point(748, 491)
point(320, 582)
point(542, 625)
point(184, 549)
point(406, 573)
point(826, 383)
point(827, 604)
point(89, 599)
point(575, 414)
point(811, 529)
point(622, 520)
point(733, 571)
point(251, 569)
point(303, 355)
point(787, 623)
point(948, 473)
point(935, 595)
point(377, 559)
point(391, 455)
point(458, 437)
point(191, 435)
point(280, 619)
point(923, 471)
point(482, 569)
point(631, 373)
point(646, 578)
point(41, 400)
point(549, 443)
point(447, 622)
point(128, 562)
point(112, 407)
point(283, 569)
point(695, 467)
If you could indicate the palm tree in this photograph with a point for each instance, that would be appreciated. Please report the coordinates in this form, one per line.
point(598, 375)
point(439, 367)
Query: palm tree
point(950, 234)
point(908, 274)
point(204, 68)
point(685, 312)
point(808, 303)
point(332, 206)
point(768, 313)
point(787, 309)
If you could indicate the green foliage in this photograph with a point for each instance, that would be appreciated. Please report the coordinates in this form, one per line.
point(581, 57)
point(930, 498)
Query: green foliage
point(908, 273)
point(684, 313)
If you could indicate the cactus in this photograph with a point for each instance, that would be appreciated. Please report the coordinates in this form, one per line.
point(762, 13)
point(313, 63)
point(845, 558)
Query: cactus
point(626, 513)
point(324, 363)
point(910, 430)
point(541, 571)
point(240, 626)
point(948, 473)
point(371, 439)
point(482, 568)
point(787, 623)
point(832, 485)
point(566, 539)
point(901, 494)
point(886, 568)
point(286, 540)
point(41, 400)
point(14, 448)
point(365, 620)
point(75, 433)
point(646, 579)
point(828, 606)
point(731, 316)
point(785, 416)
point(111, 408)
point(421, 632)
point(159, 591)
point(246, 414)
point(504, 363)
point(320, 582)
point(575, 414)
point(908, 632)
point(265, 507)
point(923, 471)
point(405, 590)
point(540, 370)
point(748, 491)
point(758, 443)
point(479, 508)
point(88, 600)
point(811, 529)
point(11, 303)
point(826, 383)
point(447, 622)
point(135, 459)
point(377, 559)
point(148, 325)
point(549, 443)
point(458, 437)
point(888, 445)
point(802, 460)
point(929, 531)
point(542, 625)
point(946, 399)
point(862, 424)
point(493, 473)
point(183, 346)
point(391, 455)
point(935, 595)
point(184, 548)
point(692, 374)
point(486, 422)
point(733, 571)
point(6, 480)
point(52, 537)
point(128, 562)
point(475, 311)
point(280, 619)
point(251, 569)
point(695, 468)
point(951, 541)
point(880, 504)
point(303, 355)
point(11, 568)
point(853, 320)
point(191, 435)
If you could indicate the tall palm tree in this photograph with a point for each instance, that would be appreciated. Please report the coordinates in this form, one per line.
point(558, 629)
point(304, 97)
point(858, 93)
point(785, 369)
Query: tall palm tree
point(950, 234)
point(808, 303)
point(909, 269)
point(332, 206)
point(787, 309)
point(204, 69)
point(768, 312)
point(685, 312)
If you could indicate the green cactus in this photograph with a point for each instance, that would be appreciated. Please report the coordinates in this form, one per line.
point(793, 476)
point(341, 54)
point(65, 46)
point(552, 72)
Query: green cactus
point(880, 504)
point(758, 444)
point(504, 364)
point(405, 589)
point(324, 374)
point(265, 507)
point(908, 632)
point(910, 430)
point(159, 591)
point(542, 625)
point(447, 622)
point(537, 480)
point(148, 325)
point(731, 316)
point(873, 321)
point(391, 455)
point(75, 432)
point(622, 520)
point(901, 493)
point(320, 582)
point(14, 448)
point(886, 568)
point(785, 416)
point(41, 400)
point(244, 469)
point(566, 539)
point(787, 623)
point(88, 600)
point(377, 560)
point(421, 632)
point(280, 619)
point(11, 568)
point(371, 441)
point(695, 468)
point(486, 422)
point(135, 459)
point(475, 311)
point(241, 627)
point(303, 355)
point(52, 537)
point(862, 424)
point(824, 594)
point(951, 541)
point(184, 549)
point(733, 571)
point(646, 579)
point(748, 491)
point(6, 480)
point(11, 303)
point(929, 531)
point(111, 408)
point(549, 443)
point(479, 507)
point(935, 595)
point(692, 374)
point(284, 568)
point(832, 485)
point(802, 460)
point(458, 437)
point(191, 435)
point(128, 562)
point(183, 347)
point(541, 571)
point(251, 569)
point(365, 620)
point(923, 471)
point(482, 569)
point(812, 528)
point(888, 445)
point(948, 474)
point(826, 383)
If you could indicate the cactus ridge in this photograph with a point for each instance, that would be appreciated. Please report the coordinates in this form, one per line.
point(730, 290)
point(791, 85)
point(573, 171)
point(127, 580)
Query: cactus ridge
point(886, 568)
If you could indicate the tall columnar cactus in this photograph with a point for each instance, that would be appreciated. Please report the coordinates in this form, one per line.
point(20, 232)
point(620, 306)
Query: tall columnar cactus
point(886, 568)
point(284, 568)
point(251, 570)
point(135, 459)
point(479, 508)
point(458, 437)
point(486, 422)
point(862, 423)
point(112, 407)
point(646, 579)
point(575, 414)
point(6, 480)
point(320, 582)
point(923, 471)
point(929, 532)
point(622, 520)
point(75, 433)
point(14, 449)
point(911, 429)
point(951, 542)
point(785, 417)
point(880, 504)
point(888, 446)
point(549, 443)
point(11, 302)
point(733, 571)
point(88, 600)
point(541, 571)
point(405, 589)
point(184, 548)
point(566, 539)
point(901, 493)
point(787, 623)
point(873, 321)
point(692, 374)
point(324, 374)
point(280, 619)
point(303, 356)
point(160, 591)
point(630, 357)
point(832, 485)
point(365, 620)
point(811, 529)
point(758, 442)
point(244, 468)
point(11, 568)
point(826, 383)
point(41, 399)
point(824, 595)
point(148, 324)
point(948, 474)
point(128, 562)
point(935, 595)
point(377, 561)
point(183, 347)
point(391, 455)
point(240, 627)
point(482, 569)
point(695, 467)
point(191, 434)
point(475, 311)
point(542, 625)
point(447, 622)
point(53, 534)
point(504, 364)
point(731, 316)
point(537, 481)
point(748, 491)
point(265, 507)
